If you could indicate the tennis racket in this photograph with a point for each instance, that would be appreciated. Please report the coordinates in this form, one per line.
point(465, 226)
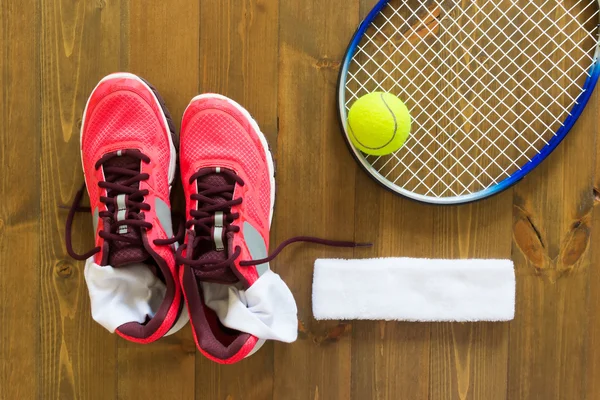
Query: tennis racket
point(492, 88)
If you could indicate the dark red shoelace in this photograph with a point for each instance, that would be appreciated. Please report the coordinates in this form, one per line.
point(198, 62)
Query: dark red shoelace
point(213, 198)
point(119, 180)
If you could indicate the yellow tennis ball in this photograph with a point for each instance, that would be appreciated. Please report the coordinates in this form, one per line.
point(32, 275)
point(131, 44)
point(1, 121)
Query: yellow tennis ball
point(379, 123)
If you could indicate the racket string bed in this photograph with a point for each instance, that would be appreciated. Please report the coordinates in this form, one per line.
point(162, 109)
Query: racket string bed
point(459, 77)
point(488, 84)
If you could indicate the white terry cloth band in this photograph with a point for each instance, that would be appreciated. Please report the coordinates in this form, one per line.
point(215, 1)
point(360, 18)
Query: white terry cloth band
point(412, 289)
point(267, 309)
point(122, 295)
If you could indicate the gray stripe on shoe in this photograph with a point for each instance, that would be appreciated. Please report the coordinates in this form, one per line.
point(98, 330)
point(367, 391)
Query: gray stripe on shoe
point(218, 231)
point(163, 213)
point(95, 217)
point(121, 212)
point(256, 246)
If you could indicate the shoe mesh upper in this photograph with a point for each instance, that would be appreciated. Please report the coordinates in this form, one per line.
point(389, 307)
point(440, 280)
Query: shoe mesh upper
point(125, 117)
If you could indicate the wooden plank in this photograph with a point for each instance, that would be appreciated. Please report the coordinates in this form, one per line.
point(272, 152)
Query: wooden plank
point(20, 205)
point(316, 188)
point(160, 370)
point(551, 231)
point(430, 360)
point(80, 44)
point(469, 360)
point(238, 43)
point(163, 49)
point(390, 360)
point(593, 303)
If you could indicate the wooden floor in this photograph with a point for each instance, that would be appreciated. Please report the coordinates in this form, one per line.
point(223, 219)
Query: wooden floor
point(280, 59)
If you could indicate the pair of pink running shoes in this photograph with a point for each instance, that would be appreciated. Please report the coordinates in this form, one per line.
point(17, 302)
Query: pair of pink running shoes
point(140, 278)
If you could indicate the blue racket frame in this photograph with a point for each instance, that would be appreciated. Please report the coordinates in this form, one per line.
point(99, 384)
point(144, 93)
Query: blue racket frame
point(577, 109)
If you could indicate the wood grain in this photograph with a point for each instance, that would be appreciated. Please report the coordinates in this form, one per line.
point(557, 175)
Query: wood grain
point(20, 205)
point(469, 360)
point(80, 44)
point(383, 351)
point(592, 340)
point(551, 237)
point(163, 49)
point(279, 59)
point(316, 189)
point(238, 58)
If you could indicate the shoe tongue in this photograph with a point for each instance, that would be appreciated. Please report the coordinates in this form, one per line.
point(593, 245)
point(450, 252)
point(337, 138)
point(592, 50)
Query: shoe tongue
point(206, 250)
point(211, 256)
point(124, 253)
point(216, 180)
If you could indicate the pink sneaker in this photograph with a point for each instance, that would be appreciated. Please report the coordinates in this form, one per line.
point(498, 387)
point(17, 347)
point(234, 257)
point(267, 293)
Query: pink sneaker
point(234, 300)
point(129, 159)
point(228, 179)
